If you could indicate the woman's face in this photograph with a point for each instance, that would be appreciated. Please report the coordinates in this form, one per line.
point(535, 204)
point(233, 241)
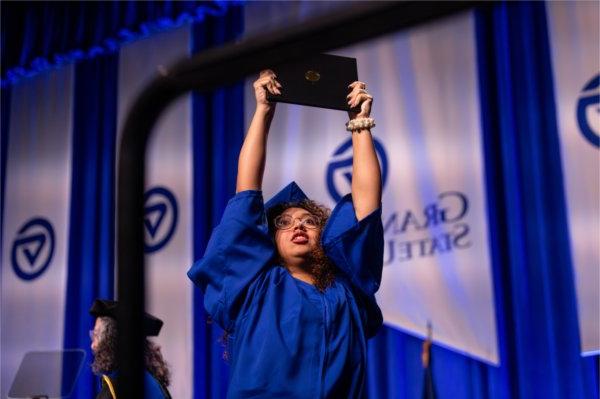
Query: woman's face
point(296, 242)
point(96, 333)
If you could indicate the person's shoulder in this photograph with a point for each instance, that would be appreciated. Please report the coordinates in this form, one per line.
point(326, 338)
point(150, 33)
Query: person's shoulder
point(246, 207)
point(246, 195)
point(154, 389)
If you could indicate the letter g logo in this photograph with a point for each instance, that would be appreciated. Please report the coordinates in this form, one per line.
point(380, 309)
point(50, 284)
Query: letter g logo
point(33, 248)
point(339, 169)
point(160, 218)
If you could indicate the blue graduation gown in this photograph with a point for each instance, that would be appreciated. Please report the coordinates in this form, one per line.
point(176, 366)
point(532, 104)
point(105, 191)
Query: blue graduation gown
point(289, 340)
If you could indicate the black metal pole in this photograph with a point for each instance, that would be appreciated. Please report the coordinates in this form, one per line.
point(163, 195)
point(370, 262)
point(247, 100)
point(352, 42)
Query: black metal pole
point(207, 71)
point(130, 243)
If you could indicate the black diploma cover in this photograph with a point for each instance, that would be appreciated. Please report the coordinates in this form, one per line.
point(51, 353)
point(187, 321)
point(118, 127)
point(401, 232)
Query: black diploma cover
point(319, 81)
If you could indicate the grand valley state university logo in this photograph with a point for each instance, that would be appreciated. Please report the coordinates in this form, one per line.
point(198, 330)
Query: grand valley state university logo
point(436, 228)
point(160, 218)
point(33, 248)
point(339, 170)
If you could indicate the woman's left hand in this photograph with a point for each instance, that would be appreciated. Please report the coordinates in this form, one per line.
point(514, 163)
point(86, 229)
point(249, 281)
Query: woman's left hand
point(357, 96)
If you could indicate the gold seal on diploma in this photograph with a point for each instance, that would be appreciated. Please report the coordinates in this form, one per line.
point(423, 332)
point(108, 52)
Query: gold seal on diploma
point(312, 76)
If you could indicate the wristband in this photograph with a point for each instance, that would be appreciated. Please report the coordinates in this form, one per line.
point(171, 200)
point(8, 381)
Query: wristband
point(359, 124)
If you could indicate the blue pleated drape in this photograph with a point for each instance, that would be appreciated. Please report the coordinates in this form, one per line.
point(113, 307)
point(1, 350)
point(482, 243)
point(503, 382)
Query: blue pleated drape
point(533, 271)
point(92, 215)
point(218, 131)
point(38, 36)
point(538, 333)
point(91, 241)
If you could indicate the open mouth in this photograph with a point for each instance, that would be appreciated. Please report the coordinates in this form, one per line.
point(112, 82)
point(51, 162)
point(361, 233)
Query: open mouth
point(300, 238)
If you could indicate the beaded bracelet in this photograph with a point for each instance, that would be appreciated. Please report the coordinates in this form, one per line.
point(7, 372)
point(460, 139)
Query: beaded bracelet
point(359, 124)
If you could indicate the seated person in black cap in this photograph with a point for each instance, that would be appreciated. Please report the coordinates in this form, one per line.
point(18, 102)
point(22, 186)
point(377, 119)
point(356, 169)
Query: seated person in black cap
point(104, 344)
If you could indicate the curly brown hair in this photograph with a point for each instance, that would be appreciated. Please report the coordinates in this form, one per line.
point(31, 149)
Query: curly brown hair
point(322, 269)
point(105, 359)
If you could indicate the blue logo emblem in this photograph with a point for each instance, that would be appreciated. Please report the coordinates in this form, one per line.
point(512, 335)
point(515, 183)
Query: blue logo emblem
point(339, 170)
point(33, 249)
point(160, 218)
point(588, 110)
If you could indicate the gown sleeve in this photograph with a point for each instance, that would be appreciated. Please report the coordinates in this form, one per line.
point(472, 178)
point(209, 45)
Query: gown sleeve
point(239, 249)
point(356, 248)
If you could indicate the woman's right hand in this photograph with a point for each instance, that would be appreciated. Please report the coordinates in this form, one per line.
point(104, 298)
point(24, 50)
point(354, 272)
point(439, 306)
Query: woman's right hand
point(266, 82)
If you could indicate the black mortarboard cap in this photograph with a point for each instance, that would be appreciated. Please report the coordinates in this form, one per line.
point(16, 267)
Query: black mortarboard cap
point(108, 308)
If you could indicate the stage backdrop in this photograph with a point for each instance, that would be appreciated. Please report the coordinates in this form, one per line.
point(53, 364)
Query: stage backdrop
point(574, 31)
point(37, 208)
point(428, 139)
point(35, 223)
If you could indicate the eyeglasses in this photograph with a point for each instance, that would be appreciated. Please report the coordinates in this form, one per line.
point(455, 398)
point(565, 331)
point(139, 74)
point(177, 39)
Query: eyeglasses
point(285, 222)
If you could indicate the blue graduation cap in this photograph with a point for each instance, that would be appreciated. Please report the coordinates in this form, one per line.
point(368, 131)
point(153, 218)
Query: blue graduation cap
point(290, 193)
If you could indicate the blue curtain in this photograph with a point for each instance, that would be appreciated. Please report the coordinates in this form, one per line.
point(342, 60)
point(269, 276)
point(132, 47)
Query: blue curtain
point(91, 235)
point(41, 35)
point(534, 287)
point(536, 301)
point(218, 131)
point(91, 33)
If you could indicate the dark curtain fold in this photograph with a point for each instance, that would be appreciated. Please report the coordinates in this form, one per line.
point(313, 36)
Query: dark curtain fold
point(92, 226)
point(535, 299)
point(40, 35)
point(533, 273)
point(218, 131)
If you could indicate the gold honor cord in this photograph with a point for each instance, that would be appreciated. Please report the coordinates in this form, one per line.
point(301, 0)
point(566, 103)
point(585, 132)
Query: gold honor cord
point(109, 384)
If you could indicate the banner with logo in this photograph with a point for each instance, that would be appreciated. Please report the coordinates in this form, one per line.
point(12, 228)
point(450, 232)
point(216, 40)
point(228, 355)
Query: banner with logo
point(167, 205)
point(574, 31)
point(35, 220)
point(437, 262)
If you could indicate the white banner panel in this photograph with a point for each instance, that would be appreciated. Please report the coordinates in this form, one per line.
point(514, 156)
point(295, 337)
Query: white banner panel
point(575, 34)
point(437, 264)
point(35, 224)
point(168, 202)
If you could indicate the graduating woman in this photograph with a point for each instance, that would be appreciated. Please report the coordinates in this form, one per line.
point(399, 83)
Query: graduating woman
point(291, 283)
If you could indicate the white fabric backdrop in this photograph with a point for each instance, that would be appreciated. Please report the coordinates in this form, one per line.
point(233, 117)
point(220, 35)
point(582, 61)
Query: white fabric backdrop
point(575, 37)
point(38, 185)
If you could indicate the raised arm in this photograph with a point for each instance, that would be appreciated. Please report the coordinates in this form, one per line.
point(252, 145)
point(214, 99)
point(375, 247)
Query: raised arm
point(366, 174)
point(251, 162)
